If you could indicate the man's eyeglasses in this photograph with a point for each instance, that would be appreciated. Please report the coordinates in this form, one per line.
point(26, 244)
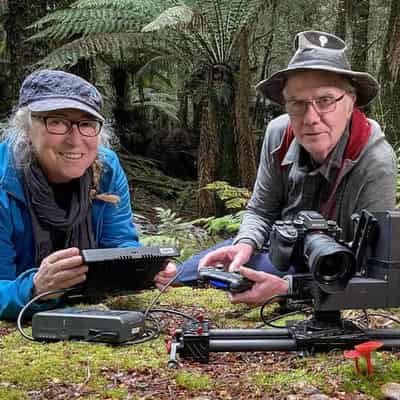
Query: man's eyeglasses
point(322, 105)
point(62, 126)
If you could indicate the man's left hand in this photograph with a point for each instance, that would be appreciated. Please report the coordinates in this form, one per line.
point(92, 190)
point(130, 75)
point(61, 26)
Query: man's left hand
point(265, 286)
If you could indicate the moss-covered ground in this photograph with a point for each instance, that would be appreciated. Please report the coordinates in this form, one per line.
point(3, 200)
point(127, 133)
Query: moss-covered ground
point(79, 370)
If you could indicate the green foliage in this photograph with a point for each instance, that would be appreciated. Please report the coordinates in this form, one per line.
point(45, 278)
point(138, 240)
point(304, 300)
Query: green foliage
point(163, 103)
point(234, 198)
point(212, 32)
point(287, 379)
point(225, 225)
point(171, 230)
point(98, 28)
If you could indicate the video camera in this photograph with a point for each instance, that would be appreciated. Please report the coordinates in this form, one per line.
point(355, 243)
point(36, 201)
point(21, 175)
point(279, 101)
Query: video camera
point(364, 273)
point(333, 276)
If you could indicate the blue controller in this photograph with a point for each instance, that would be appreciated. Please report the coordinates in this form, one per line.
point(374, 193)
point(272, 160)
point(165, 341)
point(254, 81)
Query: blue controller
point(219, 279)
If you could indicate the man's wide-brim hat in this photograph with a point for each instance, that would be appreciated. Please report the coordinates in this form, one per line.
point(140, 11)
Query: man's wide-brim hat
point(320, 51)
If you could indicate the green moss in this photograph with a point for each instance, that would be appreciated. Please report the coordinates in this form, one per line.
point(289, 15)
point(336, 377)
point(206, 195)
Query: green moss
point(286, 380)
point(12, 394)
point(193, 381)
point(34, 365)
point(116, 393)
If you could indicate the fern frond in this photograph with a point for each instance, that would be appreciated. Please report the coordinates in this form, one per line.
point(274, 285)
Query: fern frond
point(138, 5)
point(113, 45)
point(64, 25)
point(166, 108)
point(167, 63)
point(162, 102)
point(180, 16)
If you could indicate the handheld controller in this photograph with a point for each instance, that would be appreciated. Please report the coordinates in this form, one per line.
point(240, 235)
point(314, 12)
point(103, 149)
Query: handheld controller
point(220, 279)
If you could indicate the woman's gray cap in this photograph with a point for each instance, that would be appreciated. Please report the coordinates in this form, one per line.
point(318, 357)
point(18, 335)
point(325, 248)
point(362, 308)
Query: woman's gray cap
point(320, 51)
point(48, 90)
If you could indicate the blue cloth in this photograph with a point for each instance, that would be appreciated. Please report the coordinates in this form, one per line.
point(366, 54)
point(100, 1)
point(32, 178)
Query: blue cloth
point(113, 227)
point(259, 262)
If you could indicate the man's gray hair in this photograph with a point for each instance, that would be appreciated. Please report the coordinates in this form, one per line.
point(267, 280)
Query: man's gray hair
point(17, 135)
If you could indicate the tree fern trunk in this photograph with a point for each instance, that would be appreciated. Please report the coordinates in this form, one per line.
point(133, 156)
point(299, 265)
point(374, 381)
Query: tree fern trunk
point(245, 147)
point(359, 26)
point(341, 19)
point(208, 156)
point(259, 110)
point(22, 54)
point(389, 76)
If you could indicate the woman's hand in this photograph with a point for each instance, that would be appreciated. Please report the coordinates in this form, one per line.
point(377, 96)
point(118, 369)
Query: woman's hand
point(265, 286)
point(165, 275)
point(60, 270)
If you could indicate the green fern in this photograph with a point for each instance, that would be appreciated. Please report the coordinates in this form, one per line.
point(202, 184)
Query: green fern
point(116, 46)
point(172, 230)
point(234, 198)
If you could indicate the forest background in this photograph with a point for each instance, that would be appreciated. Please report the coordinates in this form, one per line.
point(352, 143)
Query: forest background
point(178, 80)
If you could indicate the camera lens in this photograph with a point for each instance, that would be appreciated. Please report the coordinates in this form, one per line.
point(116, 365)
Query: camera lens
point(331, 264)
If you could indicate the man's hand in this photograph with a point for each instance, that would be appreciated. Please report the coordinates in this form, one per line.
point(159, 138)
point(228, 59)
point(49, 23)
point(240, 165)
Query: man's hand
point(60, 270)
point(164, 276)
point(265, 286)
point(231, 257)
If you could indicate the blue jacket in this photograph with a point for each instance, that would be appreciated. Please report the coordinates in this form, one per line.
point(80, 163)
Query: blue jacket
point(113, 227)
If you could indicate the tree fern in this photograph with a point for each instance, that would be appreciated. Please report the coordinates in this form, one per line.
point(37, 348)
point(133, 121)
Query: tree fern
point(65, 24)
point(112, 45)
point(156, 5)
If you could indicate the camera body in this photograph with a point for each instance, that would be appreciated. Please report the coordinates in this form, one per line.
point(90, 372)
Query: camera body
point(312, 244)
point(287, 237)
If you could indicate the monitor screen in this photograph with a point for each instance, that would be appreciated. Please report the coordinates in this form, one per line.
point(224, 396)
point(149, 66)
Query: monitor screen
point(119, 270)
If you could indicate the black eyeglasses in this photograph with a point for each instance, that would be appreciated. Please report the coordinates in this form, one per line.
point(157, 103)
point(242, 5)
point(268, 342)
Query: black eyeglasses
point(322, 105)
point(62, 126)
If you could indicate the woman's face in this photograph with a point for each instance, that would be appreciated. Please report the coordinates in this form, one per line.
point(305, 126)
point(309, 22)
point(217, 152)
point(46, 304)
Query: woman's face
point(63, 157)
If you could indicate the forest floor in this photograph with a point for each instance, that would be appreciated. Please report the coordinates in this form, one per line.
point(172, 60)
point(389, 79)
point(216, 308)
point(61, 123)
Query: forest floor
point(80, 370)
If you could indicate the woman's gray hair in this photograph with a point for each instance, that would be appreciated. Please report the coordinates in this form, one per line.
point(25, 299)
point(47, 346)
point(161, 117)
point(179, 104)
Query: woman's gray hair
point(17, 135)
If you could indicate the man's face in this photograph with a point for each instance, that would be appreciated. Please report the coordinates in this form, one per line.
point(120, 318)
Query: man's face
point(319, 132)
point(63, 157)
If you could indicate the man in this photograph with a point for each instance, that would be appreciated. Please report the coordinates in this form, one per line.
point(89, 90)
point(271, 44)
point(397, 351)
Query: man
point(323, 155)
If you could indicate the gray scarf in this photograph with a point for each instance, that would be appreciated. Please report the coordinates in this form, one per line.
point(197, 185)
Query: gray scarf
point(47, 216)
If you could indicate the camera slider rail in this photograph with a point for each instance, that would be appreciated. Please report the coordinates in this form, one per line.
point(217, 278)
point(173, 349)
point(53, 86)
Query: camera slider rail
point(195, 341)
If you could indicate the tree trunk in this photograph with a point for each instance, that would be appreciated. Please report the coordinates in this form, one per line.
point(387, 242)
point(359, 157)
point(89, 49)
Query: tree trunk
point(208, 157)
point(389, 76)
point(245, 147)
point(259, 109)
point(342, 8)
point(359, 27)
point(21, 53)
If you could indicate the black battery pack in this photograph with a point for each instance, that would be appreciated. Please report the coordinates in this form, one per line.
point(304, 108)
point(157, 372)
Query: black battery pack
point(109, 326)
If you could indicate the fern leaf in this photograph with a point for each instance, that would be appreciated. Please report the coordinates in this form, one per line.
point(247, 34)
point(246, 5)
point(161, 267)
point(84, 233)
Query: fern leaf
point(155, 5)
point(178, 15)
point(113, 45)
point(61, 26)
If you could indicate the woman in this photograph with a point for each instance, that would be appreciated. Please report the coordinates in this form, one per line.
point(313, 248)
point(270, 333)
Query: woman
point(61, 190)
